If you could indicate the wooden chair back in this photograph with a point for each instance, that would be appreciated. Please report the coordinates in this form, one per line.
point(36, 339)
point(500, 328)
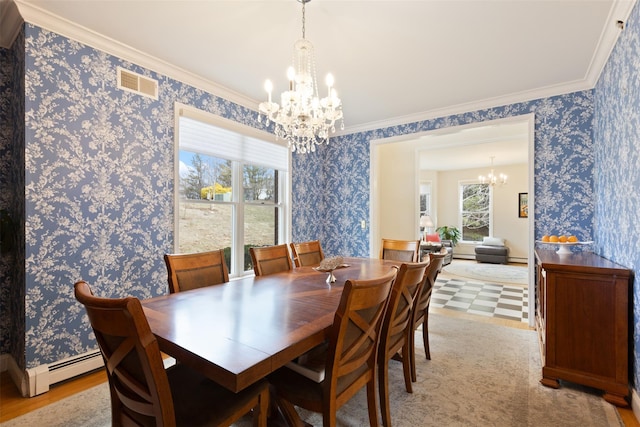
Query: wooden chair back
point(270, 259)
point(307, 253)
point(400, 250)
point(139, 386)
point(397, 328)
point(196, 270)
point(420, 313)
point(345, 362)
point(434, 267)
point(353, 343)
point(143, 393)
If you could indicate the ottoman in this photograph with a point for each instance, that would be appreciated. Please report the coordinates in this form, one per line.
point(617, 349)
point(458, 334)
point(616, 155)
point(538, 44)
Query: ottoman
point(493, 253)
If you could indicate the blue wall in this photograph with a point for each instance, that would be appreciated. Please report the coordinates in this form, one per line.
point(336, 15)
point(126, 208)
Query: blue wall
point(98, 188)
point(617, 160)
point(563, 165)
point(99, 180)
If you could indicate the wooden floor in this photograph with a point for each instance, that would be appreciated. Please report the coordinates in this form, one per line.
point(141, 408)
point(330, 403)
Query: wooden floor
point(12, 404)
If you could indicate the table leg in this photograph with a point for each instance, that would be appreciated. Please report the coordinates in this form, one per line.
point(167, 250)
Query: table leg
point(287, 410)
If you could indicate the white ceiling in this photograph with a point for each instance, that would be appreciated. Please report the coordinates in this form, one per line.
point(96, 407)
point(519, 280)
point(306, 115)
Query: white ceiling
point(473, 147)
point(393, 61)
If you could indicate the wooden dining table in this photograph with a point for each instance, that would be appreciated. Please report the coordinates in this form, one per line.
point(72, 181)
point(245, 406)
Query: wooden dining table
point(239, 332)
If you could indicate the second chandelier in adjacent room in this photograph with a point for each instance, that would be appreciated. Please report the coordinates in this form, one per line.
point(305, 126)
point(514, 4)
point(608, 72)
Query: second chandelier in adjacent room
point(493, 179)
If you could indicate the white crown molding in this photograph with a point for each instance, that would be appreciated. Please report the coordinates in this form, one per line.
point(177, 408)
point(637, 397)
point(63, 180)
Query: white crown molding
point(619, 12)
point(484, 104)
point(10, 23)
point(37, 16)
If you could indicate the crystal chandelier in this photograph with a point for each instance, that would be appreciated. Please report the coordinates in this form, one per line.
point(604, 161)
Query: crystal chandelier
point(493, 179)
point(303, 118)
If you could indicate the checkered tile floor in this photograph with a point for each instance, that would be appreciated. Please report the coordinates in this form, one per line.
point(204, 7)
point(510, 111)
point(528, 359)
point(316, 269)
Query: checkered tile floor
point(484, 299)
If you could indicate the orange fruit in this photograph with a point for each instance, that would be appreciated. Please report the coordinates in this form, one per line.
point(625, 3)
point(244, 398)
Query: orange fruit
point(545, 238)
point(562, 239)
point(553, 238)
point(572, 239)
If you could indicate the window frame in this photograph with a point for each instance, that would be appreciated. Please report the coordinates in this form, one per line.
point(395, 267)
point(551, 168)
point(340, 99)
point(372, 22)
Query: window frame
point(236, 269)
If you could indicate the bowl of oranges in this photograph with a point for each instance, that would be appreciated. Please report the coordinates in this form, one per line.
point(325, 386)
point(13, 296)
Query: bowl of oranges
point(562, 241)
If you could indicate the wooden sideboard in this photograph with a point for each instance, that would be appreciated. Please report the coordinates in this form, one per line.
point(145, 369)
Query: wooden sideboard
point(582, 318)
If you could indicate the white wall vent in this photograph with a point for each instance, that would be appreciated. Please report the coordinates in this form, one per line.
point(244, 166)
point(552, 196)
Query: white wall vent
point(133, 82)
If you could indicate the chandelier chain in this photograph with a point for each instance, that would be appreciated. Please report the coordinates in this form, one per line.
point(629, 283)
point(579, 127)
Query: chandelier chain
point(304, 19)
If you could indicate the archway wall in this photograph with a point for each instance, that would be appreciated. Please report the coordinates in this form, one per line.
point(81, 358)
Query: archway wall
point(340, 183)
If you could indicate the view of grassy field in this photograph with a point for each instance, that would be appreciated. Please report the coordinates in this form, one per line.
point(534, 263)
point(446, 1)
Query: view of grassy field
point(205, 226)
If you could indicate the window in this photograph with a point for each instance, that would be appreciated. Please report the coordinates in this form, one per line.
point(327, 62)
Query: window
point(475, 211)
point(231, 193)
point(425, 204)
point(425, 198)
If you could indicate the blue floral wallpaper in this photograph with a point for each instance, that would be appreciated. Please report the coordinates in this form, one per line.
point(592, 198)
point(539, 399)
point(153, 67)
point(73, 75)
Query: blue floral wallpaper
point(98, 185)
point(617, 156)
point(563, 165)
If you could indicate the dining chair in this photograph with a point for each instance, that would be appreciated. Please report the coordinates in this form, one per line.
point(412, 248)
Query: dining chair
point(421, 308)
point(397, 328)
point(142, 391)
point(307, 253)
point(196, 270)
point(270, 259)
point(400, 250)
point(350, 359)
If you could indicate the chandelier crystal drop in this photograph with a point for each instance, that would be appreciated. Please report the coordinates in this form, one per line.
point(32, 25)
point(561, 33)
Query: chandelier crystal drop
point(493, 179)
point(302, 117)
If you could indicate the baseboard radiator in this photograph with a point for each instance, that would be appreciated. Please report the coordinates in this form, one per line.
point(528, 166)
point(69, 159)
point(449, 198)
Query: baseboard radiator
point(41, 377)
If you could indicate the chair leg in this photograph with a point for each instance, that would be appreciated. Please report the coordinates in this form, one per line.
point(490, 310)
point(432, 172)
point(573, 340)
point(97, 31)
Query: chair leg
point(425, 333)
point(383, 388)
point(406, 367)
point(412, 355)
point(329, 418)
point(371, 402)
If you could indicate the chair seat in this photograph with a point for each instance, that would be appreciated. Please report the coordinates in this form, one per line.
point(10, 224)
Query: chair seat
point(303, 391)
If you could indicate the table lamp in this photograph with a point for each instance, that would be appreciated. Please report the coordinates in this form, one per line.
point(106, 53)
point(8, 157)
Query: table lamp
point(426, 223)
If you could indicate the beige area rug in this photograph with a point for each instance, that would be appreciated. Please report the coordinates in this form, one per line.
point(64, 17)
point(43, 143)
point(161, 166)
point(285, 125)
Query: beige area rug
point(480, 375)
point(488, 273)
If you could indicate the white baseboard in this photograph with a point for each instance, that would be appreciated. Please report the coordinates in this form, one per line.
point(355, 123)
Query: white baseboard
point(473, 257)
point(41, 377)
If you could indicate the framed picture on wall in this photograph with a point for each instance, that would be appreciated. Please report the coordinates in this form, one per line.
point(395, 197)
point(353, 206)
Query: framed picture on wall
point(523, 205)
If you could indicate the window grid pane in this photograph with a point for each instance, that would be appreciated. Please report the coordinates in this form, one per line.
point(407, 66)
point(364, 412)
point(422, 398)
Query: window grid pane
point(205, 226)
point(475, 211)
